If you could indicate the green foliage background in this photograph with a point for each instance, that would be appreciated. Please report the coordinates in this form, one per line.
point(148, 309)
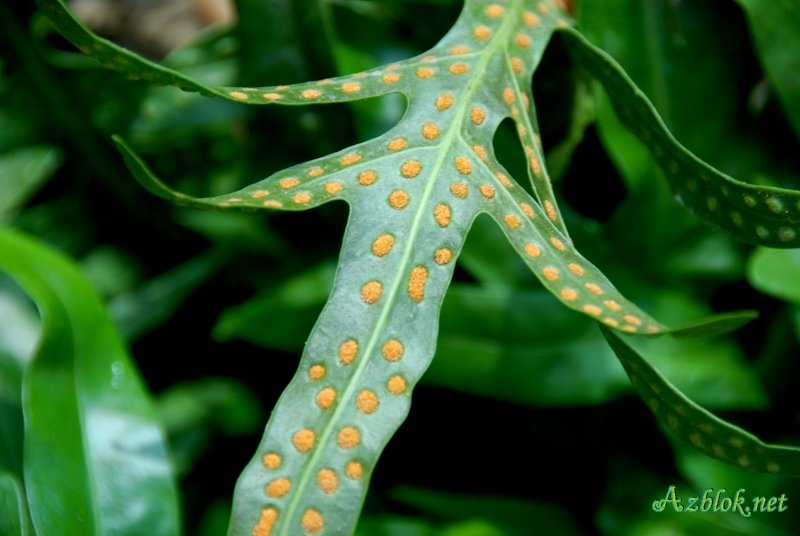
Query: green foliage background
point(525, 418)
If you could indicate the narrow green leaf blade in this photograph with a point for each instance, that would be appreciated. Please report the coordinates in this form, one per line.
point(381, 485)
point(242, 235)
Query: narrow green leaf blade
point(698, 427)
point(85, 406)
point(762, 215)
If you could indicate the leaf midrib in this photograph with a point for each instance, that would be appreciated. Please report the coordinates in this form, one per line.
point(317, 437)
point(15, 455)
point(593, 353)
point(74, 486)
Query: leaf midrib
point(448, 140)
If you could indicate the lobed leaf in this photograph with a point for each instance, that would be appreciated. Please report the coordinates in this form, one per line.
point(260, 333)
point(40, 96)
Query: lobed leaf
point(89, 425)
point(696, 426)
point(413, 194)
point(762, 215)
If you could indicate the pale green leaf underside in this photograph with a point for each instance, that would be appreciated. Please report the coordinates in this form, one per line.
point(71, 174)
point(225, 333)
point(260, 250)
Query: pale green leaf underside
point(758, 214)
point(413, 194)
point(698, 427)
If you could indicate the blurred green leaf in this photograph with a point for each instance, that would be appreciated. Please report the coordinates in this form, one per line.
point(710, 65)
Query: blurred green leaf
point(23, 171)
point(14, 519)
point(505, 515)
point(85, 406)
point(775, 24)
point(776, 272)
point(152, 302)
point(288, 307)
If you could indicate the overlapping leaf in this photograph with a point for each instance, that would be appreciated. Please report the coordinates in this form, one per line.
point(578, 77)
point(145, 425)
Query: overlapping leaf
point(696, 426)
point(91, 434)
point(761, 215)
point(413, 193)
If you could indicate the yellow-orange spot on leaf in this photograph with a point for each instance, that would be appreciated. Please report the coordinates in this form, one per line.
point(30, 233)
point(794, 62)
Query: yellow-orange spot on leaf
point(259, 194)
point(531, 19)
point(611, 304)
point(367, 402)
point(354, 470)
point(594, 289)
point(398, 199)
point(459, 68)
point(533, 251)
point(410, 168)
point(558, 244)
point(569, 294)
point(477, 115)
point(371, 292)
point(390, 78)
point(463, 165)
point(365, 178)
point(271, 460)
point(455, 51)
point(522, 40)
point(278, 487)
point(272, 96)
point(326, 397)
point(351, 87)
point(316, 172)
point(316, 372)
point(629, 328)
point(512, 221)
point(543, 8)
point(550, 273)
point(517, 65)
point(382, 245)
point(311, 93)
point(442, 256)
point(494, 11)
point(610, 322)
point(550, 210)
point(482, 32)
point(303, 440)
point(593, 310)
point(508, 96)
point(480, 152)
point(526, 102)
point(333, 187)
point(397, 144)
point(576, 269)
point(536, 167)
point(425, 72)
point(521, 130)
point(312, 521)
point(459, 189)
point(392, 350)
point(301, 198)
point(273, 204)
point(265, 522)
point(429, 58)
point(487, 191)
point(238, 95)
point(442, 214)
point(328, 481)
point(444, 101)
point(396, 385)
point(416, 283)
point(348, 351)
point(325, 82)
point(430, 131)
point(503, 179)
point(288, 182)
point(349, 437)
point(350, 159)
point(527, 209)
point(630, 319)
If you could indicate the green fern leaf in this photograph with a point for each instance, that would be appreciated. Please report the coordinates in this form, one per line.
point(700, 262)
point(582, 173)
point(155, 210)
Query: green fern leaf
point(413, 194)
point(696, 426)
